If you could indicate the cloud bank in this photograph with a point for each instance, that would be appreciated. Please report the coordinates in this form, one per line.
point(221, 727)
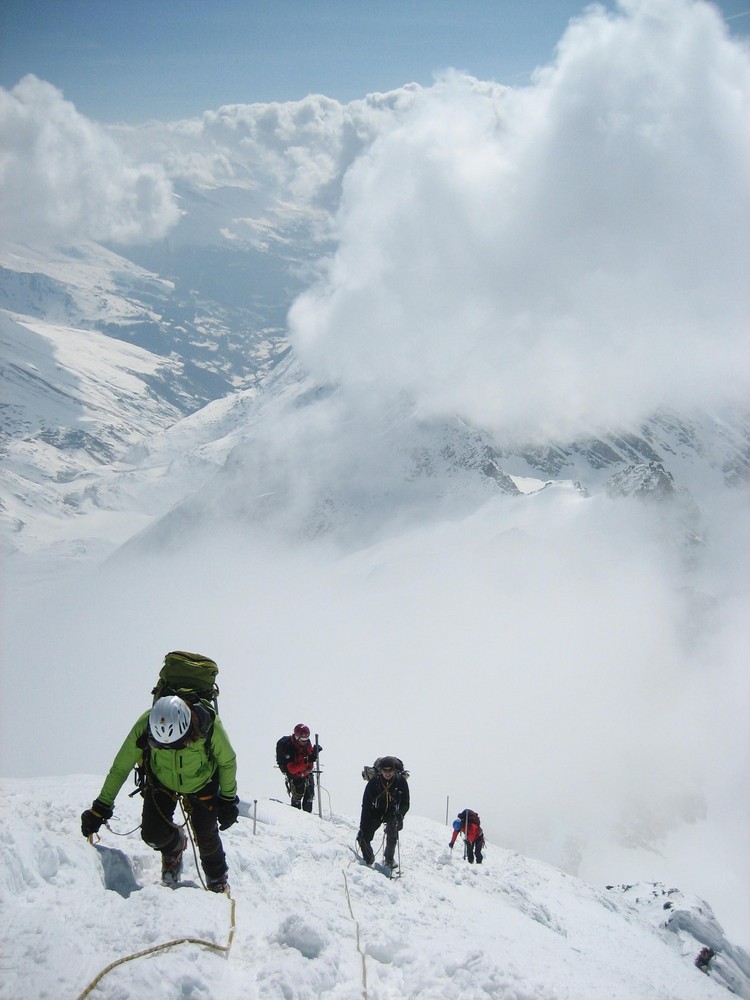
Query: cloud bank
point(283, 162)
point(554, 258)
point(62, 178)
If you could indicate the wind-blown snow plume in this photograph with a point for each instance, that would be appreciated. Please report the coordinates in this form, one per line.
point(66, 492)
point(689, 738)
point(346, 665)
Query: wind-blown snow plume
point(62, 178)
point(569, 255)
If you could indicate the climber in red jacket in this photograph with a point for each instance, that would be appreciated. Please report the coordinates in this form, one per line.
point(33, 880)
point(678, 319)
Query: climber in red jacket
point(469, 825)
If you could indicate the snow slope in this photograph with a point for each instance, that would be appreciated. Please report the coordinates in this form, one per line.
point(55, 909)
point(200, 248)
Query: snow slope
point(310, 921)
point(74, 403)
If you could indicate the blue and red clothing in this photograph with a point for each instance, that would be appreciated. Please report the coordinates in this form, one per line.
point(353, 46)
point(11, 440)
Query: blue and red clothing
point(468, 823)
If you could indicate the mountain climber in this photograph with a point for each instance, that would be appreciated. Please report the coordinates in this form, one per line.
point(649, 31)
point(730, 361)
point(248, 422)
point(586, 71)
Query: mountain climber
point(183, 753)
point(468, 823)
point(385, 800)
point(296, 757)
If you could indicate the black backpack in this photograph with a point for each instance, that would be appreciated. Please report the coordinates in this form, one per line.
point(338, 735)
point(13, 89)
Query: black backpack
point(469, 816)
point(371, 772)
point(284, 752)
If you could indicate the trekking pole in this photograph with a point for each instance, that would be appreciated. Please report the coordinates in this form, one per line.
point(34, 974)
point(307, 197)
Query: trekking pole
point(447, 803)
point(317, 780)
point(255, 815)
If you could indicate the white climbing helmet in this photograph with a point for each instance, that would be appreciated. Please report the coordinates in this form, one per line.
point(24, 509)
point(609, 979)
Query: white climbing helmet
point(169, 720)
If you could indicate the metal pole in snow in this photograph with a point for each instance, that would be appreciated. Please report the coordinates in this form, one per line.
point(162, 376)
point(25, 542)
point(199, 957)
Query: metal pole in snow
point(317, 780)
point(447, 801)
point(255, 815)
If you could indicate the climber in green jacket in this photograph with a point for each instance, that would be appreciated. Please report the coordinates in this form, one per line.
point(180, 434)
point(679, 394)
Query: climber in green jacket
point(183, 751)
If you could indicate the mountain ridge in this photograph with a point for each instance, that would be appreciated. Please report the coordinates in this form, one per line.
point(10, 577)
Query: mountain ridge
point(310, 922)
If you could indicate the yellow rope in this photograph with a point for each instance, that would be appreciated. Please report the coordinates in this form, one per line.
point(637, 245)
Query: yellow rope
point(188, 824)
point(162, 947)
point(356, 937)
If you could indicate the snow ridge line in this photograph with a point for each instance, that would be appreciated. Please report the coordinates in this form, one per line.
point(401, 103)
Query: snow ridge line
point(163, 947)
point(356, 935)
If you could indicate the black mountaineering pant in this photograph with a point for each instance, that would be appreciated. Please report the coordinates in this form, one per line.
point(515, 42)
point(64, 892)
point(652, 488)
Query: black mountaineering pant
point(370, 824)
point(472, 848)
point(302, 791)
point(159, 831)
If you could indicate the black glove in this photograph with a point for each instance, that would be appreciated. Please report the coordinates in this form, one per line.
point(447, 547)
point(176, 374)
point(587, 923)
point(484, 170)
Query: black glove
point(92, 819)
point(451, 846)
point(228, 810)
point(400, 824)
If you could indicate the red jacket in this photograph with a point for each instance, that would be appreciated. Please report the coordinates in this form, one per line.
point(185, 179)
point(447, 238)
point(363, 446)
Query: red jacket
point(303, 762)
point(472, 832)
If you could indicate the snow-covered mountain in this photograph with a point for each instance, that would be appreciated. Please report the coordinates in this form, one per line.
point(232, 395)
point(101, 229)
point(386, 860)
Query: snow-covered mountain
point(104, 411)
point(98, 356)
point(425, 416)
point(321, 465)
point(305, 920)
point(145, 418)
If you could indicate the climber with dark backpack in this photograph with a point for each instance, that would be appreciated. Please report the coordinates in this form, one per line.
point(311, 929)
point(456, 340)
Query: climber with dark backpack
point(183, 754)
point(469, 825)
point(297, 759)
point(385, 801)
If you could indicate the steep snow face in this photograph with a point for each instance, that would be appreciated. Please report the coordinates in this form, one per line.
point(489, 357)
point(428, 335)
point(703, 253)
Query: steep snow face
point(82, 284)
point(306, 920)
point(99, 355)
point(223, 340)
point(75, 402)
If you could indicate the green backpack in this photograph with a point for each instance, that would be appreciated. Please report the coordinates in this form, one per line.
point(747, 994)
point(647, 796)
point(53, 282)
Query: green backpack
point(190, 676)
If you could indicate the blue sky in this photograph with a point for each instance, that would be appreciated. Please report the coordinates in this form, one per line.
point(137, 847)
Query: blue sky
point(176, 58)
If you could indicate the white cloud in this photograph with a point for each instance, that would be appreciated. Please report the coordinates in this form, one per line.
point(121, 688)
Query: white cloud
point(62, 178)
point(569, 254)
point(289, 157)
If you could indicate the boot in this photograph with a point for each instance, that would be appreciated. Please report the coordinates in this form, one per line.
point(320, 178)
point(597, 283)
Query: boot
point(220, 883)
point(171, 862)
point(366, 849)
